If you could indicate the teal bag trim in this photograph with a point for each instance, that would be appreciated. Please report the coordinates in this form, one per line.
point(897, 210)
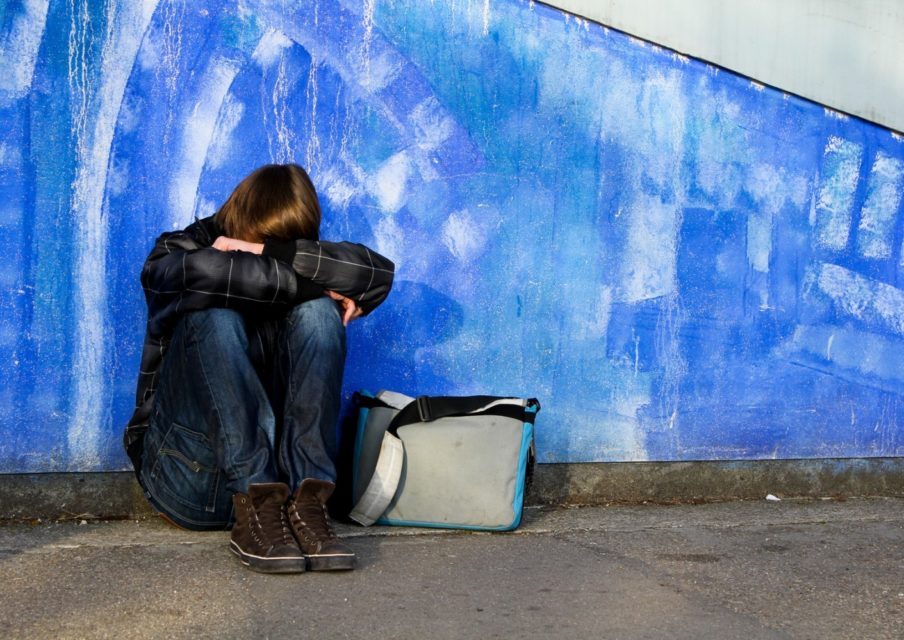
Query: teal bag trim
point(359, 439)
point(434, 525)
point(526, 439)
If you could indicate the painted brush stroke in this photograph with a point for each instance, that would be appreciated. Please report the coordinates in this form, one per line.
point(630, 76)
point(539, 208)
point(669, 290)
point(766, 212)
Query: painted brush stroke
point(876, 230)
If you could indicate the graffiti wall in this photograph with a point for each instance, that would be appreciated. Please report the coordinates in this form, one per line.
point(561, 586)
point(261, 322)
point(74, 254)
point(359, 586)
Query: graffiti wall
point(680, 263)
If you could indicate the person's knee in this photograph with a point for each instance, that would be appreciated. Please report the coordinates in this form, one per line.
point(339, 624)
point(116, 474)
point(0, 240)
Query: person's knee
point(319, 322)
point(222, 328)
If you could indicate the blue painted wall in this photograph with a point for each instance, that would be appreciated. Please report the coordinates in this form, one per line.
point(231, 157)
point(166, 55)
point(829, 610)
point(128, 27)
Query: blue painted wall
point(681, 264)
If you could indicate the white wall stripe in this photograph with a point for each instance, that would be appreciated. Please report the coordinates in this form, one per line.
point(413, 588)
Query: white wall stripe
point(877, 218)
point(835, 199)
point(126, 25)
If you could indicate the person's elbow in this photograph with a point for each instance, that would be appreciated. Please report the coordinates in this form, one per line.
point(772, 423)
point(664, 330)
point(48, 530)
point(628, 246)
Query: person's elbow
point(377, 294)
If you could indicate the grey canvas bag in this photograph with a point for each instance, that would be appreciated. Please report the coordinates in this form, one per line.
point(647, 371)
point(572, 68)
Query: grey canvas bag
point(447, 462)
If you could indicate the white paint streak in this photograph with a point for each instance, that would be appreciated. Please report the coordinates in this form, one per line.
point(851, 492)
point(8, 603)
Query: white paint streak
point(660, 120)
point(835, 115)
point(173, 12)
point(772, 189)
point(77, 71)
point(368, 21)
point(432, 125)
point(840, 174)
point(463, 236)
point(19, 50)
point(649, 269)
point(220, 148)
point(877, 218)
point(312, 155)
point(197, 134)
point(759, 241)
point(281, 136)
point(869, 301)
point(622, 427)
point(380, 71)
point(860, 352)
point(717, 175)
point(206, 207)
point(282, 149)
point(126, 26)
point(270, 48)
point(148, 55)
point(337, 190)
point(118, 176)
point(597, 324)
point(765, 185)
point(389, 239)
point(390, 182)
point(129, 115)
point(486, 17)
point(636, 355)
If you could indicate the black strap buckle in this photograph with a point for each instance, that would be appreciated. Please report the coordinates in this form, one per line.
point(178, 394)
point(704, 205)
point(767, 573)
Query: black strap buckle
point(423, 408)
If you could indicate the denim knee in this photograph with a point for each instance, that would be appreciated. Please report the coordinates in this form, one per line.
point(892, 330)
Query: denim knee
point(319, 322)
point(221, 328)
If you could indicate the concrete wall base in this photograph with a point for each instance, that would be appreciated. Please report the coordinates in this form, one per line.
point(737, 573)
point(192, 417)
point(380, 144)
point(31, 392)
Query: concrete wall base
point(633, 482)
point(117, 495)
point(68, 496)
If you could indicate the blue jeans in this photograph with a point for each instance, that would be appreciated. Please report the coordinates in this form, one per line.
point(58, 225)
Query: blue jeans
point(240, 402)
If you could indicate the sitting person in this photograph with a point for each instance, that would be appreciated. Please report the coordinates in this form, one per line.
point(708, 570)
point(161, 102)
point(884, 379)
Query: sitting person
point(241, 374)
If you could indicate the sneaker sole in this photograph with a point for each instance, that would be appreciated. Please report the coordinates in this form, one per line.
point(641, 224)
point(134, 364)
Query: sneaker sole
point(285, 564)
point(339, 562)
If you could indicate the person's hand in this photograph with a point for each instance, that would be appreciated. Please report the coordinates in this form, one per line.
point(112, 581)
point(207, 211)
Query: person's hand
point(224, 243)
point(350, 310)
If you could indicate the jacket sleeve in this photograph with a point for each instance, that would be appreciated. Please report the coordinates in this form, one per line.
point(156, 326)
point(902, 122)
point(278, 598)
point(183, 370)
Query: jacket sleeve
point(180, 275)
point(348, 268)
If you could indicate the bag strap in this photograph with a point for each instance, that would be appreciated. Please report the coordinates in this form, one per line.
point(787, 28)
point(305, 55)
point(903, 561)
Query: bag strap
point(430, 408)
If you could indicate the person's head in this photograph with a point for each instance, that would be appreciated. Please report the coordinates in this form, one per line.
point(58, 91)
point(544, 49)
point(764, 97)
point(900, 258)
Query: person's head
point(275, 201)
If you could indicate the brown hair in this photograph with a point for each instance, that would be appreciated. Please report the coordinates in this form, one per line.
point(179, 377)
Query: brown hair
point(275, 201)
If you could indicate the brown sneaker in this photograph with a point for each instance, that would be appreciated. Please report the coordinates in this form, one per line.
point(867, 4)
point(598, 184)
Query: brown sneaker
point(311, 525)
point(261, 536)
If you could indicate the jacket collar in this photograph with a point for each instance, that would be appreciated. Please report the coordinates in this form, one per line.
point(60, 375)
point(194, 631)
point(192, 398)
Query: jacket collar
point(205, 230)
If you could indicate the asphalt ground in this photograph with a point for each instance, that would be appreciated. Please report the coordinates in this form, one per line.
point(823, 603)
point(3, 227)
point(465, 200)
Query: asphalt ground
point(790, 569)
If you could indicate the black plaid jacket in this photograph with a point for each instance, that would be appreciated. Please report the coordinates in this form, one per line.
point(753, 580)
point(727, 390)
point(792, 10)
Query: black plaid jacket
point(185, 273)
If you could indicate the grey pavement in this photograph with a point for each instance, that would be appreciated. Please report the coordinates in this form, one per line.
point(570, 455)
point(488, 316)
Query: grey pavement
point(808, 569)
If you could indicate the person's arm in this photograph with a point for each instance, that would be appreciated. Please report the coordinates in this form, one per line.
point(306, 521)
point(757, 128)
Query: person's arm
point(349, 269)
point(350, 308)
point(180, 275)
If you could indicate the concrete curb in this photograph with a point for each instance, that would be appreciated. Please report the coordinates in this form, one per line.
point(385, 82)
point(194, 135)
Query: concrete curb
point(117, 495)
point(710, 481)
